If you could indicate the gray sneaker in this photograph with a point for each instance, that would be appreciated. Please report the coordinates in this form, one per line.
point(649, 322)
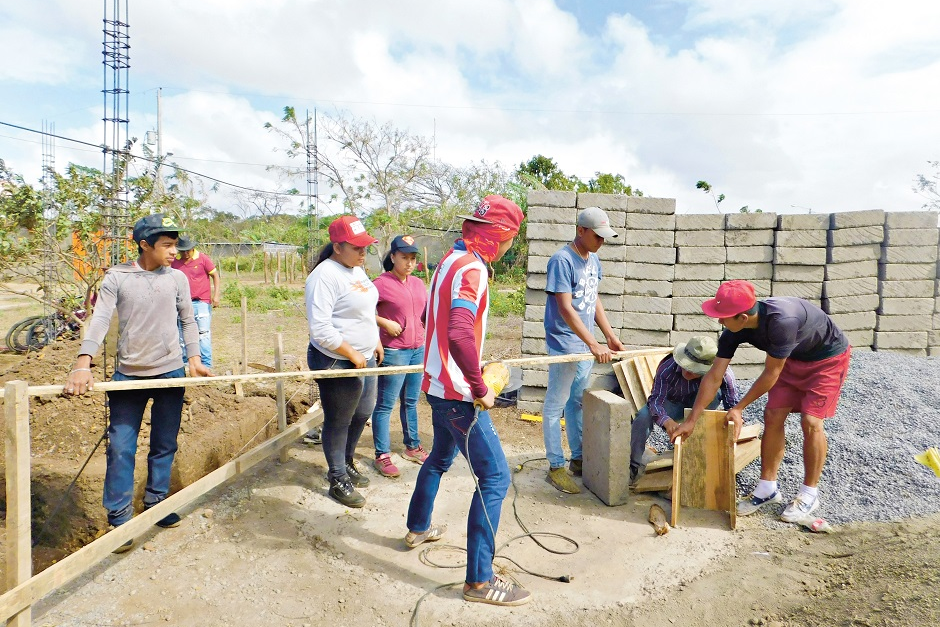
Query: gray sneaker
point(799, 509)
point(433, 534)
point(498, 592)
point(751, 504)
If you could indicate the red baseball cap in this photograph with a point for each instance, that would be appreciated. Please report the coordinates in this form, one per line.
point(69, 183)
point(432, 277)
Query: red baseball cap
point(349, 229)
point(500, 211)
point(732, 298)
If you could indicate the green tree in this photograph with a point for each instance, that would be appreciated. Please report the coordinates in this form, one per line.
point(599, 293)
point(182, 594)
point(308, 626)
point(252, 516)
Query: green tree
point(546, 172)
point(926, 186)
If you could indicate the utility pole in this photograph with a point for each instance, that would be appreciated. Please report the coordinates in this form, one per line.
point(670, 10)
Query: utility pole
point(159, 178)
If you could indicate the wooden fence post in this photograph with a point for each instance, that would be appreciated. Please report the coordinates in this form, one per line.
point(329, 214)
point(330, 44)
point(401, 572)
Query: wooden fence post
point(239, 390)
point(279, 387)
point(264, 264)
point(19, 566)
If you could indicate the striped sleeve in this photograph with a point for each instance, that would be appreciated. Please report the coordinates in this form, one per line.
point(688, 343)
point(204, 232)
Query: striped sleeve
point(664, 379)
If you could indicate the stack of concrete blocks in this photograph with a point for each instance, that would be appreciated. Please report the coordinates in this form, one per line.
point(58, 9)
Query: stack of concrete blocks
point(908, 276)
point(649, 256)
point(749, 244)
point(550, 226)
point(933, 340)
point(699, 238)
point(851, 280)
point(800, 256)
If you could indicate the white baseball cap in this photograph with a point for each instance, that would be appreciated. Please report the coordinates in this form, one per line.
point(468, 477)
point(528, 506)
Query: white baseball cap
point(596, 219)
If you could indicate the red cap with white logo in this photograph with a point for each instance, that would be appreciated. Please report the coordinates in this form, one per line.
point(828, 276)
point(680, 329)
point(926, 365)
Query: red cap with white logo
point(732, 298)
point(349, 229)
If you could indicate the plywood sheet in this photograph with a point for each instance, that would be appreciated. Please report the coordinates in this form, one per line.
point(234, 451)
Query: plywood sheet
point(705, 466)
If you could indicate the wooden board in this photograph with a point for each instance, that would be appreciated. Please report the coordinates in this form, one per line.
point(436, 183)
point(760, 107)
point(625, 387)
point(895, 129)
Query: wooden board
point(731, 474)
point(656, 481)
point(745, 453)
point(19, 565)
point(635, 387)
point(677, 491)
point(625, 388)
point(749, 432)
point(662, 461)
point(642, 373)
point(705, 466)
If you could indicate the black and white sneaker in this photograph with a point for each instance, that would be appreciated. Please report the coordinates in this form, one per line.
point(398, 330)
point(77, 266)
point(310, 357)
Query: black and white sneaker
point(355, 475)
point(751, 504)
point(343, 491)
point(313, 436)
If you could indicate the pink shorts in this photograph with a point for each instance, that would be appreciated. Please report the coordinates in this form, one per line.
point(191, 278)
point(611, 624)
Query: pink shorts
point(810, 387)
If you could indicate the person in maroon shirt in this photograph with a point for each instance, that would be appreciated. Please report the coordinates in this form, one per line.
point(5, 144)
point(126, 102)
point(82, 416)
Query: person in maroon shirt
point(402, 300)
point(199, 269)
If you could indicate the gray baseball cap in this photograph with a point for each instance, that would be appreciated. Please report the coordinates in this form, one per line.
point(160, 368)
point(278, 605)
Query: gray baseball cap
point(596, 219)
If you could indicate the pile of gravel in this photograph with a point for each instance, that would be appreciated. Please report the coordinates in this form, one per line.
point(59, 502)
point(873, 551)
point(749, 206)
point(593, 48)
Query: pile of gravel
point(889, 411)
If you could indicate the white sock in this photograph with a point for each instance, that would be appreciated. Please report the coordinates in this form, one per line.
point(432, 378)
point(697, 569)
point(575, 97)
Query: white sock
point(809, 492)
point(765, 489)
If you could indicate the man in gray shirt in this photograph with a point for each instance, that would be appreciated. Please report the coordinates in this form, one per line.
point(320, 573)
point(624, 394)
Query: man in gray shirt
point(149, 297)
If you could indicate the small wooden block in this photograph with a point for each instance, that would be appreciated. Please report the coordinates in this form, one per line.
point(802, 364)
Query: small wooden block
point(749, 432)
point(239, 388)
point(663, 461)
point(656, 481)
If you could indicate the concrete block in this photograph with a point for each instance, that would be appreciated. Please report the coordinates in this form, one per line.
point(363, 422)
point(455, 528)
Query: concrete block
point(864, 320)
point(645, 204)
point(853, 219)
point(933, 351)
point(802, 239)
point(651, 221)
point(700, 238)
point(531, 393)
point(910, 220)
point(851, 304)
point(851, 270)
point(800, 256)
point(809, 291)
point(603, 382)
point(607, 202)
point(612, 250)
point(679, 337)
point(550, 198)
point(920, 322)
point(606, 432)
point(661, 289)
point(535, 281)
point(535, 378)
point(534, 313)
point(933, 337)
point(649, 254)
point(750, 254)
point(911, 237)
point(847, 254)
point(799, 274)
point(700, 222)
point(749, 271)
point(907, 271)
point(700, 271)
point(746, 354)
point(615, 318)
point(907, 307)
point(759, 237)
point(688, 304)
point(649, 238)
point(552, 215)
point(862, 337)
point(646, 304)
point(651, 271)
point(908, 254)
point(750, 221)
point(611, 285)
point(618, 219)
point(803, 221)
point(699, 322)
point(900, 339)
point(850, 287)
point(533, 346)
point(535, 297)
point(910, 352)
point(705, 289)
point(612, 302)
point(613, 269)
point(644, 337)
point(647, 321)
point(906, 289)
point(703, 254)
point(547, 248)
point(530, 407)
point(761, 287)
point(553, 232)
point(533, 329)
point(746, 372)
point(857, 236)
point(538, 264)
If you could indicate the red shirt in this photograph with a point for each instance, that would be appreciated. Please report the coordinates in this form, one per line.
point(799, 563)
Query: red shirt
point(197, 269)
point(403, 302)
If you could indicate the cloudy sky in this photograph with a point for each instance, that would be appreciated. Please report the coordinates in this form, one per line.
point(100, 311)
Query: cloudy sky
point(787, 105)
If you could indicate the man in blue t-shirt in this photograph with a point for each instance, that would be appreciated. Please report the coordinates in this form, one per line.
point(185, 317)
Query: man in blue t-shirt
point(571, 310)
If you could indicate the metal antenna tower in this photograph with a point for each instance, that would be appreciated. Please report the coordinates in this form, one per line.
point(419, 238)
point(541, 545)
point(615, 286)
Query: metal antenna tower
point(116, 64)
point(313, 183)
point(50, 264)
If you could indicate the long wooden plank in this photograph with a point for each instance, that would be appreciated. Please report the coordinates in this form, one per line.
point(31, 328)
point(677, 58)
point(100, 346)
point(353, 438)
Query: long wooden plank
point(279, 392)
point(617, 367)
point(749, 432)
point(300, 375)
point(646, 381)
point(677, 491)
point(731, 474)
point(663, 461)
point(64, 571)
point(634, 384)
point(656, 481)
point(19, 567)
point(745, 453)
point(652, 364)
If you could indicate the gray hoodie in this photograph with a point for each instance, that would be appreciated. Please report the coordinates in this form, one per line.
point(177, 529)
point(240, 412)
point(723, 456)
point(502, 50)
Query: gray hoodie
point(148, 304)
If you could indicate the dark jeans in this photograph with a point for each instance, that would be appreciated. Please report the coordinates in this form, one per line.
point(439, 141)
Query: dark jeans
point(643, 427)
point(347, 405)
point(126, 413)
point(450, 420)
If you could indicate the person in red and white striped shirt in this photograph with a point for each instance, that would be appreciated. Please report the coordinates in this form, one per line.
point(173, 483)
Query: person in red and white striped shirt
point(453, 383)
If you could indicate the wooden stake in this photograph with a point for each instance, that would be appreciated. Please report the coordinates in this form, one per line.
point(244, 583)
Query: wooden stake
point(676, 481)
point(279, 387)
point(277, 270)
point(427, 270)
point(264, 264)
point(239, 389)
point(19, 566)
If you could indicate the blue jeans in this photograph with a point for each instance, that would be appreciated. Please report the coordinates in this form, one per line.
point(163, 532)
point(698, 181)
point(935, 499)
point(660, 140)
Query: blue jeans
point(347, 405)
point(643, 426)
point(203, 311)
point(566, 383)
point(404, 388)
point(127, 412)
point(451, 420)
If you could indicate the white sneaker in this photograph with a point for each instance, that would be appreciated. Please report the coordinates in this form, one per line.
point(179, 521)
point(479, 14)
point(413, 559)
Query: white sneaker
point(752, 503)
point(799, 509)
